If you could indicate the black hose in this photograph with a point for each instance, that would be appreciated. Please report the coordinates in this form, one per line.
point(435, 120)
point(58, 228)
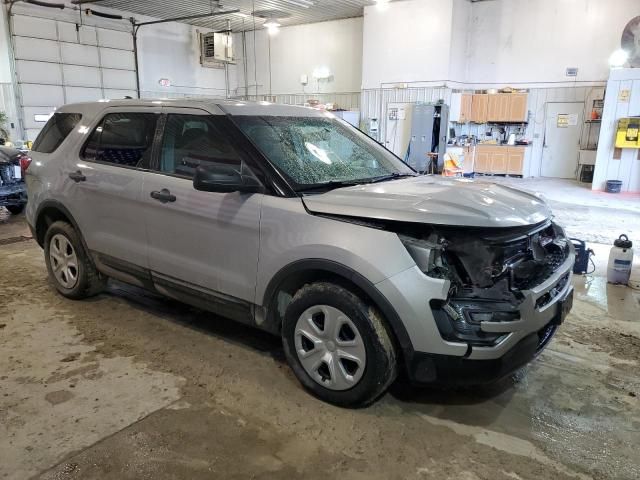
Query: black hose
point(88, 11)
point(45, 4)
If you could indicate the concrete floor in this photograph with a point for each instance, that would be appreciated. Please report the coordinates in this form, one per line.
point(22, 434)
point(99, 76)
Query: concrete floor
point(128, 385)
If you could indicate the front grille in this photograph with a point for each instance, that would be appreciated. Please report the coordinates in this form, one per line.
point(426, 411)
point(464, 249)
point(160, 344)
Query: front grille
point(546, 252)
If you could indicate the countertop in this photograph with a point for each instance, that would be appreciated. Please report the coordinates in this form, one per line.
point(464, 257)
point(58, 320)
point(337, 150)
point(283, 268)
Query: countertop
point(500, 145)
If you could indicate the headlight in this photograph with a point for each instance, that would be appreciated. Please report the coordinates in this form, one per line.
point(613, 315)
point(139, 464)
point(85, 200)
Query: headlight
point(427, 253)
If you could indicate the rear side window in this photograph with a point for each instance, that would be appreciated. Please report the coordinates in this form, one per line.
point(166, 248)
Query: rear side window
point(123, 139)
point(55, 131)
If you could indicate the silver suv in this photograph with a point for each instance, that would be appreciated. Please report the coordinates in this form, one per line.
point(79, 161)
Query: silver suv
point(290, 220)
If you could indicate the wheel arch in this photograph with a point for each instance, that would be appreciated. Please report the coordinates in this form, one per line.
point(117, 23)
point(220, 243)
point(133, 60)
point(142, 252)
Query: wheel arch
point(49, 212)
point(295, 275)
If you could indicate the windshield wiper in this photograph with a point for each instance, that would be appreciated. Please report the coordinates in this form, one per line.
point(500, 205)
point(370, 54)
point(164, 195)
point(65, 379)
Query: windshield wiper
point(391, 176)
point(330, 185)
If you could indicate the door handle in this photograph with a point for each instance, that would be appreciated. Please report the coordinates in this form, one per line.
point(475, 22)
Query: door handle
point(77, 177)
point(163, 196)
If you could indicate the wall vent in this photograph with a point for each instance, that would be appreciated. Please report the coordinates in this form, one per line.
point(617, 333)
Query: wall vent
point(216, 49)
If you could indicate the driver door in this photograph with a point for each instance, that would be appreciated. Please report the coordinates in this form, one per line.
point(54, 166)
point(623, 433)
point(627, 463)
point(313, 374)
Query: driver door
point(201, 244)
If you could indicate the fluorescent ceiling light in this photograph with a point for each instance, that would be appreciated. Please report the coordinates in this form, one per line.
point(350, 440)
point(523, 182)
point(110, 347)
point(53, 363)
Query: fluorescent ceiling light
point(618, 58)
point(273, 27)
point(382, 4)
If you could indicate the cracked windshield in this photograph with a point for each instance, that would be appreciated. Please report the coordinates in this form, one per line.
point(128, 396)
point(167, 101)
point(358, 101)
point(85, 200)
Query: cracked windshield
point(316, 152)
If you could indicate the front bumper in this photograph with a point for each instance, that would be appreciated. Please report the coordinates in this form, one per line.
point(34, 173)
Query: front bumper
point(436, 360)
point(541, 306)
point(426, 368)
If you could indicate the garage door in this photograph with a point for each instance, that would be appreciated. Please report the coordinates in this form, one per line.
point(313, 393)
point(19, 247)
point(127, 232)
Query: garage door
point(59, 62)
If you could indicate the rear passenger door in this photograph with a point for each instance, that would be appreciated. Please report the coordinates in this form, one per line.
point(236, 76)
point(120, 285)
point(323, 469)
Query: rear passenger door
point(202, 241)
point(106, 188)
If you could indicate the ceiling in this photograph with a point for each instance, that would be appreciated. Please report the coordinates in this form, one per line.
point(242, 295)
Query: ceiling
point(287, 12)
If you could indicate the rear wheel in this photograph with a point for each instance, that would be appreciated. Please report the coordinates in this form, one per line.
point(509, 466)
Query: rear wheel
point(338, 345)
point(15, 209)
point(69, 266)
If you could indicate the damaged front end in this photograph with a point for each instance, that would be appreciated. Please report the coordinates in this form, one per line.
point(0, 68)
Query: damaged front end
point(492, 272)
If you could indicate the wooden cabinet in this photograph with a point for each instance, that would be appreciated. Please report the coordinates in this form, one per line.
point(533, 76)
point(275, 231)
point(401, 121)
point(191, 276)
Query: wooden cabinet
point(498, 107)
point(466, 100)
point(483, 108)
point(479, 107)
point(515, 161)
point(482, 162)
point(518, 107)
point(499, 160)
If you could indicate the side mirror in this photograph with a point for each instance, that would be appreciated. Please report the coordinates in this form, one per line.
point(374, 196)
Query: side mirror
point(224, 179)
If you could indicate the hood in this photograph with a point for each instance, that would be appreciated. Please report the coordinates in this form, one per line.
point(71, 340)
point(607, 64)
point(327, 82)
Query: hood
point(434, 200)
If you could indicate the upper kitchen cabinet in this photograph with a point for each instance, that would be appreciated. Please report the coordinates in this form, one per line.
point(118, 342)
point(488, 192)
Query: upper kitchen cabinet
point(466, 107)
point(479, 108)
point(460, 111)
point(493, 108)
point(518, 107)
point(498, 107)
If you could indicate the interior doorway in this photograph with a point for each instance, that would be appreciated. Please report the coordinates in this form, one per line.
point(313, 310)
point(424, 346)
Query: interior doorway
point(563, 123)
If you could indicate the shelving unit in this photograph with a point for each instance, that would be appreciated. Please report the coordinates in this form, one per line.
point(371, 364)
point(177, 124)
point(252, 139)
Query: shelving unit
point(589, 137)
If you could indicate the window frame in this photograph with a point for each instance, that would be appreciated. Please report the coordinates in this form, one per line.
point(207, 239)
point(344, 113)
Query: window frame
point(44, 131)
point(223, 126)
point(252, 158)
point(101, 118)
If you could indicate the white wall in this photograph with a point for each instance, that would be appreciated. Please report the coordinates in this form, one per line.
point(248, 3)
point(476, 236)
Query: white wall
point(534, 41)
point(627, 168)
point(458, 61)
point(5, 70)
point(172, 51)
point(298, 50)
point(409, 41)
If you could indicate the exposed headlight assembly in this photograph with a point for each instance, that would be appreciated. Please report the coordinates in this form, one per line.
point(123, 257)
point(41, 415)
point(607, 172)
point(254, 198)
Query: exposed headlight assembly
point(427, 253)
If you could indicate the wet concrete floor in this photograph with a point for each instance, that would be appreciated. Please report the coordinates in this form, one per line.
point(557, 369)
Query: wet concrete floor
point(131, 386)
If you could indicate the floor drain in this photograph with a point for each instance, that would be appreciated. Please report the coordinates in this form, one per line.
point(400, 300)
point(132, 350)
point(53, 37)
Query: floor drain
point(10, 240)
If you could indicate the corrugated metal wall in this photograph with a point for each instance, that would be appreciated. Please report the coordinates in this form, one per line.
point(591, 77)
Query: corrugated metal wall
point(627, 167)
point(374, 105)
point(343, 100)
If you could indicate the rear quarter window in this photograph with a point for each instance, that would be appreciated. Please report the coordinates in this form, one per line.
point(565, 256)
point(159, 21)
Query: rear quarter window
point(55, 131)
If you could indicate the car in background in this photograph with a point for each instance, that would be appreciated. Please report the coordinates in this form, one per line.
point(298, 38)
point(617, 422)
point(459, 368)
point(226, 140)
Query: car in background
point(13, 192)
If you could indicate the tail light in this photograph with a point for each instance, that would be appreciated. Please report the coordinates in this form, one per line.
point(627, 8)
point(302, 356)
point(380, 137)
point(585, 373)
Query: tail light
point(25, 161)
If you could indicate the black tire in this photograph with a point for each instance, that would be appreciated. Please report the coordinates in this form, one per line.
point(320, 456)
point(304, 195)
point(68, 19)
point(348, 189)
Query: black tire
point(89, 281)
point(15, 209)
point(380, 367)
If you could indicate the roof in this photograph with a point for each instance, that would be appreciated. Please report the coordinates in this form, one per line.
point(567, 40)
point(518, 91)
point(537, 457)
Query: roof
point(213, 105)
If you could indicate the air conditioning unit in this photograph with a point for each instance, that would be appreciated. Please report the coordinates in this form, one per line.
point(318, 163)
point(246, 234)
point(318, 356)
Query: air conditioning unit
point(216, 49)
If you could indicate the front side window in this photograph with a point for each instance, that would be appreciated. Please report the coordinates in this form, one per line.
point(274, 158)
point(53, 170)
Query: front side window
point(123, 139)
point(191, 141)
point(319, 151)
point(58, 127)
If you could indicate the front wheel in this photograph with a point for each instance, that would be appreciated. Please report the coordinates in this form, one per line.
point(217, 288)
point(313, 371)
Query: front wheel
point(338, 345)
